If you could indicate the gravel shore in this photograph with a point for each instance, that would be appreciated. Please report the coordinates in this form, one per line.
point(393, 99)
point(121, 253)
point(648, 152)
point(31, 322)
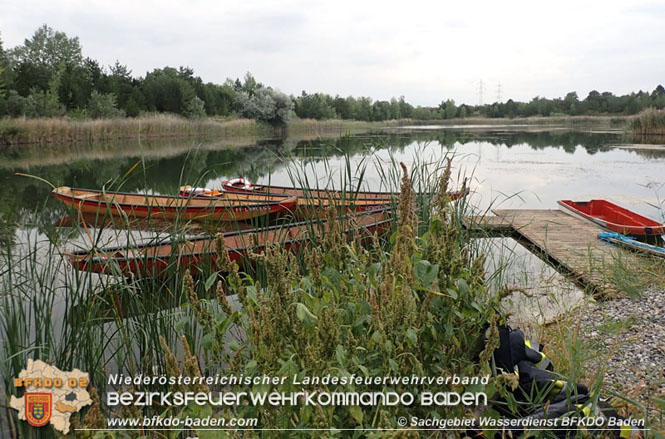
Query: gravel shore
point(629, 335)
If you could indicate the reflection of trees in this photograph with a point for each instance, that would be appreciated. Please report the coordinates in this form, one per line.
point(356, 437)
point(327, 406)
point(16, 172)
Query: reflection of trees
point(567, 140)
point(19, 195)
point(656, 153)
point(166, 170)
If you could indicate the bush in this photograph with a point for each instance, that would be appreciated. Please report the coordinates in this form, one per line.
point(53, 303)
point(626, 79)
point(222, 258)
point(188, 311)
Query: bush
point(15, 104)
point(419, 308)
point(43, 104)
point(103, 106)
point(266, 105)
point(132, 109)
point(78, 114)
point(195, 108)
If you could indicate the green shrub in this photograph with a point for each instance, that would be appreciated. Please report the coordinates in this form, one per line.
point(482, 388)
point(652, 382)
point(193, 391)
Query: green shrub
point(15, 104)
point(103, 106)
point(195, 108)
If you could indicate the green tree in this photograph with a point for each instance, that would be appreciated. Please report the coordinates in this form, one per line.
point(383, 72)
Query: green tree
point(120, 83)
point(3, 86)
point(448, 109)
point(265, 104)
point(195, 108)
point(41, 103)
point(103, 105)
point(593, 101)
point(166, 90)
point(363, 110)
point(381, 111)
point(38, 60)
point(218, 99)
point(75, 86)
point(423, 113)
point(315, 106)
point(3, 68)
point(571, 103)
point(50, 48)
point(405, 109)
point(15, 104)
point(249, 85)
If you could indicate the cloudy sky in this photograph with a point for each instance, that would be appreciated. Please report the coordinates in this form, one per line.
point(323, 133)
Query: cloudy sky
point(424, 50)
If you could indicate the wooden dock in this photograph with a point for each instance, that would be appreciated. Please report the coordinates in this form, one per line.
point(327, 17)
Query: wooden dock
point(569, 243)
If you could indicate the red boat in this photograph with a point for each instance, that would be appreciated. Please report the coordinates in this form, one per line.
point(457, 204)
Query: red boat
point(156, 259)
point(227, 208)
point(612, 217)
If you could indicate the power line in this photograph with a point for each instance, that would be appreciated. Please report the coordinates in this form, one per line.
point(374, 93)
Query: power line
point(480, 92)
point(498, 92)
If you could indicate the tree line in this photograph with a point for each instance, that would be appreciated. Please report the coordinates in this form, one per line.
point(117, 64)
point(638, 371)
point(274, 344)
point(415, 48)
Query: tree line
point(48, 76)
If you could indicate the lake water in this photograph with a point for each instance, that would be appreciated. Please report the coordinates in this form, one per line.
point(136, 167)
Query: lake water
point(507, 167)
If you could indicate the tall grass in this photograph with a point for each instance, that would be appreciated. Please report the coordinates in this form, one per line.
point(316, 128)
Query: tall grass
point(21, 131)
point(649, 122)
point(53, 131)
point(416, 301)
point(163, 126)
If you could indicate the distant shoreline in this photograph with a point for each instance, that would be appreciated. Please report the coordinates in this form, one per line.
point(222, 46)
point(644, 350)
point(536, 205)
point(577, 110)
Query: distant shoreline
point(15, 132)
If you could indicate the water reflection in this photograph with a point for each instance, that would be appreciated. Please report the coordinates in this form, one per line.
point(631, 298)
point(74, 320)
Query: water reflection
point(541, 165)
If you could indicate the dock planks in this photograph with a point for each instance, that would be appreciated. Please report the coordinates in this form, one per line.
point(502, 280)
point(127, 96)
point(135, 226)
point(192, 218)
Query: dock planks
point(569, 242)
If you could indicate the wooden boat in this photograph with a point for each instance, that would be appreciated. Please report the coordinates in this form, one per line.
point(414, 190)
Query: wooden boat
point(632, 244)
point(156, 259)
point(240, 185)
point(232, 207)
point(106, 220)
point(308, 207)
point(615, 218)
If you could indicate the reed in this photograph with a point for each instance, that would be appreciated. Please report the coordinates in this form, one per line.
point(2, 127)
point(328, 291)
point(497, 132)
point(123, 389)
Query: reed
point(649, 122)
point(164, 126)
point(416, 302)
point(57, 131)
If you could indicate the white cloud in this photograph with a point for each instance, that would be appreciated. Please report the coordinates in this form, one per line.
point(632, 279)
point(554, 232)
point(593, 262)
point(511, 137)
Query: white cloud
point(424, 50)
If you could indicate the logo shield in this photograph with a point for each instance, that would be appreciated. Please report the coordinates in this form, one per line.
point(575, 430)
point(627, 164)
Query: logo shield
point(38, 408)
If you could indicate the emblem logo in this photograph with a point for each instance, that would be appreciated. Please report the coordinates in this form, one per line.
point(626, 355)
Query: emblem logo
point(38, 408)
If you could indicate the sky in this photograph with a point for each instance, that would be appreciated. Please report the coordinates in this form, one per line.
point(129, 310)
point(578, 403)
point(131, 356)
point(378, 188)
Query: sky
point(426, 51)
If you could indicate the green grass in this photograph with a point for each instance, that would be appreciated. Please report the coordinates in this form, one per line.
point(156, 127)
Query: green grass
point(417, 301)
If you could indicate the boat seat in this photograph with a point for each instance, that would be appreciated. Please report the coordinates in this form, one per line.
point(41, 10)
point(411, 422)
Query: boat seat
point(88, 196)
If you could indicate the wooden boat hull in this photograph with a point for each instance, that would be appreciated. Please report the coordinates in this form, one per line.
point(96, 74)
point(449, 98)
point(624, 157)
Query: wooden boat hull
point(615, 218)
point(308, 208)
point(312, 204)
point(159, 259)
point(247, 188)
point(632, 244)
point(173, 207)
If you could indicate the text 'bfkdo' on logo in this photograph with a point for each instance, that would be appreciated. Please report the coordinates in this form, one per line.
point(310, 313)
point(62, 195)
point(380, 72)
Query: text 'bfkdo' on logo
point(50, 395)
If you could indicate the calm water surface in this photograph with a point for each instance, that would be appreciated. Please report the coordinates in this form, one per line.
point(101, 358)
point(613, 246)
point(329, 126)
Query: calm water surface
point(516, 167)
point(507, 167)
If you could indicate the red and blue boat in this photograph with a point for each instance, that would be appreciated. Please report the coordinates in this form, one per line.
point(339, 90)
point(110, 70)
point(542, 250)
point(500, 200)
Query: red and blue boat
point(613, 217)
